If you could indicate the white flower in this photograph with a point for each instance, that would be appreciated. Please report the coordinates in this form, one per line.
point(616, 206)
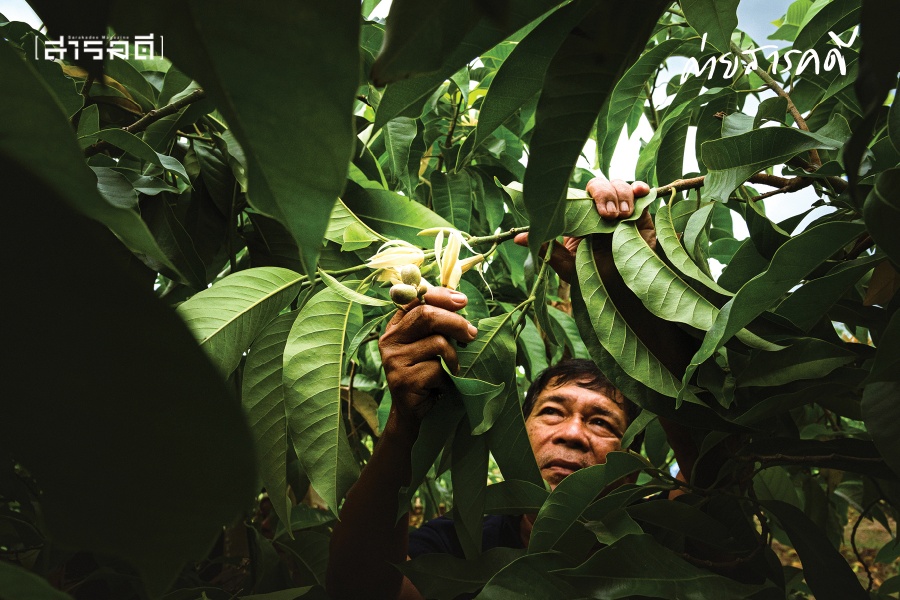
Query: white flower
point(447, 258)
point(393, 255)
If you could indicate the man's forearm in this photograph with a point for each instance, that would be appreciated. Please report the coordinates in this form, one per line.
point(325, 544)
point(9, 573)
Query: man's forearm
point(368, 540)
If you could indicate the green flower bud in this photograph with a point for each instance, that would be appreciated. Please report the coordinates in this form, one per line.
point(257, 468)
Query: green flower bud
point(402, 293)
point(410, 275)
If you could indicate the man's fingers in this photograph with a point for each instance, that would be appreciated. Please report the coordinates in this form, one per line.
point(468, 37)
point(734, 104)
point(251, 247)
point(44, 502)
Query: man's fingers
point(640, 189)
point(422, 321)
point(562, 259)
point(625, 196)
point(437, 346)
point(606, 200)
point(445, 298)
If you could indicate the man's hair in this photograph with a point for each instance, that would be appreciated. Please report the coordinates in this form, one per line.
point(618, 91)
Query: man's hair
point(587, 375)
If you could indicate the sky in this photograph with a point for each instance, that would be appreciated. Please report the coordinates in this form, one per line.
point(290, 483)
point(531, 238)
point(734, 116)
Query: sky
point(754, 17)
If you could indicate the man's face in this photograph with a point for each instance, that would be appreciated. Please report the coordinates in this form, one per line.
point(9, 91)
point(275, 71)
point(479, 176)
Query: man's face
point(571, 427)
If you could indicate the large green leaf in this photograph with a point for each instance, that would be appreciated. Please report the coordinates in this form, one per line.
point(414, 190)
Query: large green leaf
point(836, 17)
point(792, 262)
point(669, 239)
point(521, 75)
point(18, 583)
point(445, 577)
point(662, 290)
point(39, 118)
point(346, 229)
point(262, 395)
point(715, 18)
point(451, 195)
point(579, 78)
point(637, 565)
point(313, 395)
point(101, 426)
point(491, 357)
point(398, 138)
point(614, 333)
point(626, 94)
point(732, 160)
point(227, 317)
point(296, 158)
point(514, 497)
point(806, 305)
point(509, 442)
point(826, 572)
point(530, 576)
point(393, 215)
point(468, 473)
point(880, 409)
point(400, 96)
point(804, 358)
point(418, 36)
point(574, 494)
point(882, 213)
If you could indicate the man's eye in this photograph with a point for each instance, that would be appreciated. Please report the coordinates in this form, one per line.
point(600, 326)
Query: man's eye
point(549, 410)
point(600, 422)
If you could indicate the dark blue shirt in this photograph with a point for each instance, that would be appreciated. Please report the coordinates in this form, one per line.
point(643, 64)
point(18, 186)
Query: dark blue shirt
point(439, 535)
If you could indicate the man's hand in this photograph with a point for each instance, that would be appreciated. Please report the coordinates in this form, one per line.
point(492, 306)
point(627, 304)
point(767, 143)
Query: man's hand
point(411, 346)
point(612, 200)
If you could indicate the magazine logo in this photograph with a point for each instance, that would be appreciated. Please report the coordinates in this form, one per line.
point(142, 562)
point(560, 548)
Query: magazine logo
point(833, 58)
point(94, 47)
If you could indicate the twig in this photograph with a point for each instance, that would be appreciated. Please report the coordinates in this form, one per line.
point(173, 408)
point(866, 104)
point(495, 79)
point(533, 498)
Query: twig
point(148, 119)
point(776, 87)
point(859, 557)
point(448, 141)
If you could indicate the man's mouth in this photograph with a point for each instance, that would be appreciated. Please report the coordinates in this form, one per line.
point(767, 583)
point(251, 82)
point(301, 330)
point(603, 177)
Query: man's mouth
point(562, 466)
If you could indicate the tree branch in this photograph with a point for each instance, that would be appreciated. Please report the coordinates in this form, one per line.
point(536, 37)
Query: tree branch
point(776, 87)
point(148, 119)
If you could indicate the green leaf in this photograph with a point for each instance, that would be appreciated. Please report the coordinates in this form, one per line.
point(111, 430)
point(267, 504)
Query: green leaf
point(570, 329)
point(881, 411)
point(313, 395)
point(626, 94)
point(508, 442)
point(419, 36)
point(804, 358)
point(115, 188)
point(684, 519)
point(826, 572)
point(836, 17)
point(114, 347)
point(530, 576)
point(452, 197)
point(774, 483)
point(613, 526)
point(137, 147)
point(227, 317)
point(579, 78)
point(393, 215)
point(296, 159)
point(398, 138)
point(636, 565)
point(468, 473)
point(63, 168)
point(400, 96)
point(533, 349)
point(668, 238)
point(490, 357)
point(806, 305)
point(445, 577)
point(475, 393)
point(882, 212)
point(20, 584)
point(662, 290)
point(513, 497)
point(732, 160)
point(636, 427)
point(717, 19)
point(792, 262)
point(614, 333)
point(262, 395)
point(346, 229)
point(521, 75)
point(574, 494)
point(310, 553)
point(351, 295)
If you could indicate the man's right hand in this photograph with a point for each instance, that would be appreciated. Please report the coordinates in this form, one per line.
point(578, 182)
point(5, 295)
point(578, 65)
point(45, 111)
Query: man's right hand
point(412, 343)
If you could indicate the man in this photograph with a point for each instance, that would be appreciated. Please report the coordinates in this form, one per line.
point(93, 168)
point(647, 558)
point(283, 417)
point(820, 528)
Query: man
point(574, 418)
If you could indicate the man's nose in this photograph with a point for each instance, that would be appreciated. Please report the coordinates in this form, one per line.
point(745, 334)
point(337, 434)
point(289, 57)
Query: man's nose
point(572, 433)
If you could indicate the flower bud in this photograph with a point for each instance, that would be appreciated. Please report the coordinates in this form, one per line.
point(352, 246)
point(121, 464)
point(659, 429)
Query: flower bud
point(410, 275)
point(402, 293)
